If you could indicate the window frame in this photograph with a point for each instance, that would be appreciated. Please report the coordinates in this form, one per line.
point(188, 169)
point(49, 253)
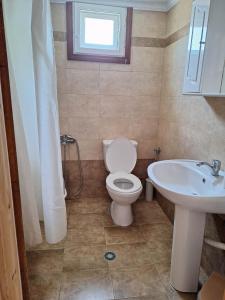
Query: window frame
point(102, 12)
point(104, 58)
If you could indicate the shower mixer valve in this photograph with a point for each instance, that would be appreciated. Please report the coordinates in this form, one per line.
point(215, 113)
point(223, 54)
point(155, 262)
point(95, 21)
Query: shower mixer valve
point(67, 139)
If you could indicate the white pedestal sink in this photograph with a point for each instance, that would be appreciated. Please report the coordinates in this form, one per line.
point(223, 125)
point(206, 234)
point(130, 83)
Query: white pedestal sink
point(195, 192)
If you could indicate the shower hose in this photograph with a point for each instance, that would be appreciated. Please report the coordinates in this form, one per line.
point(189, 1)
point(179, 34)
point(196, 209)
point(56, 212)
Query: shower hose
point(66, 141)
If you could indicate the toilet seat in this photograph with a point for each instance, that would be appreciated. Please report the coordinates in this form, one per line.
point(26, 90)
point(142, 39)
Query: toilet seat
point(115, 182)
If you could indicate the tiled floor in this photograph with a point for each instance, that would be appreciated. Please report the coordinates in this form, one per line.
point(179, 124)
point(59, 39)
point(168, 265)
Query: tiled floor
point(76, 269)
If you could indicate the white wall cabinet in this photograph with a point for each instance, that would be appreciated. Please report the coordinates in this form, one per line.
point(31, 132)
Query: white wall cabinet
point(205, 66)
point(223, 82)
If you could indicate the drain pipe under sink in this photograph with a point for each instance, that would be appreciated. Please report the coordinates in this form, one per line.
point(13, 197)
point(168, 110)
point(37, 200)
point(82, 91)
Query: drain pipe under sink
point(215, 244)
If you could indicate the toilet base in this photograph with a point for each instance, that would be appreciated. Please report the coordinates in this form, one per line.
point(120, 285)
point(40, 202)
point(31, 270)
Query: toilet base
point(121, 214)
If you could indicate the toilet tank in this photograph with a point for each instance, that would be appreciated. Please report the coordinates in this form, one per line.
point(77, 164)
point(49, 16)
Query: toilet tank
point(106, 144)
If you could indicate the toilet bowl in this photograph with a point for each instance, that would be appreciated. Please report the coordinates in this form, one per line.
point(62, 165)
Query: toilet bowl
point(124, 188)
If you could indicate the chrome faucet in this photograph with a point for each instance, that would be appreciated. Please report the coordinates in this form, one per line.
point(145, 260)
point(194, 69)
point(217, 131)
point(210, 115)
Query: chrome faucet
point(67, 139)
point(215, 166)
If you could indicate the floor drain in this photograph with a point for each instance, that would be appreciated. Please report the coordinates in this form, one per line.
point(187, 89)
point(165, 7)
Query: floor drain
point(110, 256)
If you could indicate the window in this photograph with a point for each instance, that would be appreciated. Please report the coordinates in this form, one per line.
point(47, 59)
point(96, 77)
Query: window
point(98, 32)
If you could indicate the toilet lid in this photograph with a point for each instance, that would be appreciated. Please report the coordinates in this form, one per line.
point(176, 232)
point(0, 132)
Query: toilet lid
point(121, 156)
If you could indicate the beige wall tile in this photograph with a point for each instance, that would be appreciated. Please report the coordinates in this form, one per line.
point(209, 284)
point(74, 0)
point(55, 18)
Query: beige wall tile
point(145, 128)
point(74, 105)
point(113, 127)
point(82, 65)
point(84, 127)
point(60, 53)
point(64, 125)
point(62, 61)
point(130, 83)
point(58, 17)
point(143, 59)
point(175, 54)
point(179, 16)
point(133, 106)
point(144, 106)
point(146, 147)
point(115, 106)
point(60, 79)
point(149, 24)
point(81, 82)
point(90, 149)
point(147, 59)
point(172, 83)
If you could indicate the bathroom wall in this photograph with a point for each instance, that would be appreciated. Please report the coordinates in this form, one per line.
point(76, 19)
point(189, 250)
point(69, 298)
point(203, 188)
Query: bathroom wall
point(103, 101)
point(190, 126)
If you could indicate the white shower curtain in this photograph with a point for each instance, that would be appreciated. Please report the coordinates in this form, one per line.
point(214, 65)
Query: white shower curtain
point(33, 87)
point(48, 121)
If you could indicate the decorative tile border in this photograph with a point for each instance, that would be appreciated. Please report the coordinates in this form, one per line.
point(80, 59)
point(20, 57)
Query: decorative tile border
point(148, 42)
point(177, 35)
point(60, 36)
point(161, 42)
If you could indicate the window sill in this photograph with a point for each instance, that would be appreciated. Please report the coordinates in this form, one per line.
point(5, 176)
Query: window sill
point(98, 58)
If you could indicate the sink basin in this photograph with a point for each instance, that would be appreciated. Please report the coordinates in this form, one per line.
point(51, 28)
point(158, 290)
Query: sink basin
point(195, 192)
point(184, 183)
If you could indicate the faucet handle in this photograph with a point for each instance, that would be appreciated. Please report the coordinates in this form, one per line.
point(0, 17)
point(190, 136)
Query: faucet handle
point(216, 164)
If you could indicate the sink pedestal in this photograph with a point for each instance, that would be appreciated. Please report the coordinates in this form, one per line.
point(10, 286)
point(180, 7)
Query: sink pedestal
point(188, 237)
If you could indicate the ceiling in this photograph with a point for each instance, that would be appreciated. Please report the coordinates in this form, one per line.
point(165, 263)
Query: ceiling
point(154, 5)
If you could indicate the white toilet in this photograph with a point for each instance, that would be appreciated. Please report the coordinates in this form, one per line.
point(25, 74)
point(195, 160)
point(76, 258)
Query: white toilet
point(120, 157)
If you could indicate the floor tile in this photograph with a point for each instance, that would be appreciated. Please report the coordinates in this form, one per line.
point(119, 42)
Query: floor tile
point(86, 236)
point(132, 255)
point(108, 221)
point(175, 295)
point(162, 249)
point(159, 296)
point(44, 286)
point(157, 232)
point(136, 282)
point(89, 205)
point(142, 204)
point(45, 261)
point(163, 270)
point(86, 285)
point(68, 204)
point(82, 221)
point(149, 215)
point(85, 257)
point(158, 242)
point(45, 245)
point(76, 268)
point(123, 235)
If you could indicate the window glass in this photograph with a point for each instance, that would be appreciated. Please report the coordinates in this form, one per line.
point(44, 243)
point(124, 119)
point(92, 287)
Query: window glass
point(99, 31)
